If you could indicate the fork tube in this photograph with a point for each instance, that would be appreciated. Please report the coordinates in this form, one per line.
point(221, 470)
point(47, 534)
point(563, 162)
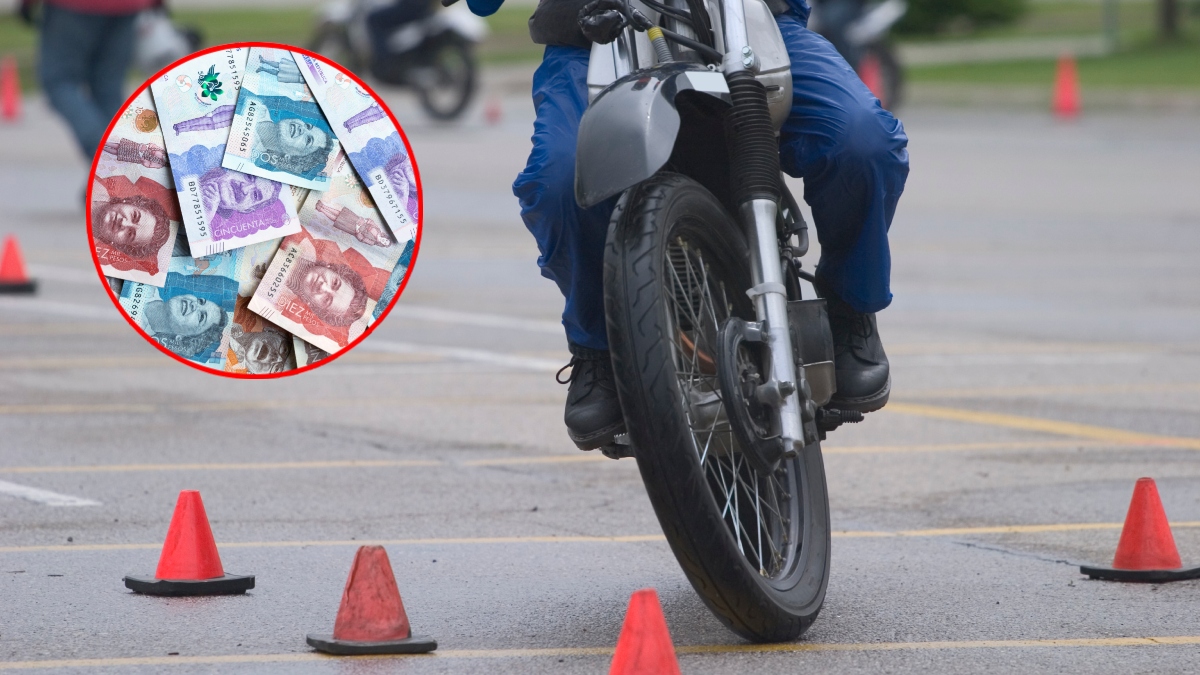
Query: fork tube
point(770, 304)
point(735, 37)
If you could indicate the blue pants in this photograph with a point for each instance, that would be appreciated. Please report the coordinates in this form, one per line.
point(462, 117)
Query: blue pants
point(83, 61)
point(850, 152)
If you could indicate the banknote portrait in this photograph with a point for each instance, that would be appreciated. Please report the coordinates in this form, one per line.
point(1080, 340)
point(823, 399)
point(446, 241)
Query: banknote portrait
point(133, 218)
point(235, 204)
point(385, 161)
point(293, 137)
point(263, 351)
point(191, 314)
point(334, 291)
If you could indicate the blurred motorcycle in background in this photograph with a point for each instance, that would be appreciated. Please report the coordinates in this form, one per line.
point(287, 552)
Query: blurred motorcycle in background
point(860, 31)
point(433, 53)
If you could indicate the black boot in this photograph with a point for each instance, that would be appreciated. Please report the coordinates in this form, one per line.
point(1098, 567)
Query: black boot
point(863, 373)
point(593, 415)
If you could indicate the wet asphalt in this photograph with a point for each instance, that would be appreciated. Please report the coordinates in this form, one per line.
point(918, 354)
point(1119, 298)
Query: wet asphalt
point(1045, 342)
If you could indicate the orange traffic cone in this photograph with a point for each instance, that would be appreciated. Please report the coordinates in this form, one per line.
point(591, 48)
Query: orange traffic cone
point(10, 90)
point(493, 111)
point(1067, 104)
point(644, 647)
point(1146, 551)
point(190, 564)
point(371, 618)
point(871, 74)
point(13, 278)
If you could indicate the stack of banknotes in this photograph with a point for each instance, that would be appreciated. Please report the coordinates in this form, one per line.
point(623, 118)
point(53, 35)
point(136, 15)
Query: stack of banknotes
point(255, 210)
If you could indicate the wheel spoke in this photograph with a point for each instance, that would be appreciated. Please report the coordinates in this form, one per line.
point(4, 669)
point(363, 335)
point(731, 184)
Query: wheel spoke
point(753, 505)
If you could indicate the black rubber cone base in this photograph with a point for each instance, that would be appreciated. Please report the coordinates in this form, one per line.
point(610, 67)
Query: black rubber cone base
point(18, 287)
point(230, 584)
point(1144, 576)
point(417, 644)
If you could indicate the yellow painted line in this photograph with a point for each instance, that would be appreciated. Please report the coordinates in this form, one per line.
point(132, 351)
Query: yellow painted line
point(1050, 390)
point(965, 447)
point(318, 464)
point(553, 459)
point(70, 328)
point(1056, 427)
point(279, 404)
point(616, 539)
point(82, 362)
point(240, 466)
point(559, 652)
point(441, 541)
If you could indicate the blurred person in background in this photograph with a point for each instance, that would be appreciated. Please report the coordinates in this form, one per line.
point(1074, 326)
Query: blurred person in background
point(85, 52)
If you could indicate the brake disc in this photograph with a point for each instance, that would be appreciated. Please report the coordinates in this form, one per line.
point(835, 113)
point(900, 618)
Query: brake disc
point(742, 360)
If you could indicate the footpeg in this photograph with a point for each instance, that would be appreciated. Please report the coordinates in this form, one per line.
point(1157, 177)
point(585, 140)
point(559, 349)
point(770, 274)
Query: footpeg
point(620, 448)
point(829, 419)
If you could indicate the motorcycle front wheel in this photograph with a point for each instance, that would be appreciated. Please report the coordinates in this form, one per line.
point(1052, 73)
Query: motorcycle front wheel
point(445, 82)
point(755, 546)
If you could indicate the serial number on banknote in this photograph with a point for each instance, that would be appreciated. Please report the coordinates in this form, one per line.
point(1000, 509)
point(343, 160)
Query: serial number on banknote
point(283, 272)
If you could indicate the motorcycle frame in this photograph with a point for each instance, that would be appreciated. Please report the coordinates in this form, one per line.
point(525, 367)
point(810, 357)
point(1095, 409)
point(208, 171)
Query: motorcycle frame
point(655, 114)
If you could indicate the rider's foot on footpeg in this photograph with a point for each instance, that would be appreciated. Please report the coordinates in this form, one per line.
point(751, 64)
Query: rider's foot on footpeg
point(863, 379)
point(593, 414)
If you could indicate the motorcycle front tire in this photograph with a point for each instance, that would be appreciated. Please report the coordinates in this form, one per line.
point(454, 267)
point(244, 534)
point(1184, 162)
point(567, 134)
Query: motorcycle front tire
point(657, 228)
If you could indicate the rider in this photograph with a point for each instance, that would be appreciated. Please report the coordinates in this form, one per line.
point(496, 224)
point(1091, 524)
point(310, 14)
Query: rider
point(851, 153)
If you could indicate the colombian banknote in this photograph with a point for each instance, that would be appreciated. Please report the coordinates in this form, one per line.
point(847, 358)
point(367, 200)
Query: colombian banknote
point(278, 130)
point(135, 215)
point(256, 346)
point(222, 209)
point(192, 314)
point(115, 284)
point(370, 140)
point(307, 354)
point(325, 281)
point(399, 272)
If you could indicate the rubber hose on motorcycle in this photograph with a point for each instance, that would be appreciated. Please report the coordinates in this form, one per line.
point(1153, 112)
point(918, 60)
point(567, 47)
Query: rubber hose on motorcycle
point(753, 151)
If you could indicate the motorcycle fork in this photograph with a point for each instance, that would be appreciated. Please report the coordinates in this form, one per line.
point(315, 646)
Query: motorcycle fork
point(769, 293)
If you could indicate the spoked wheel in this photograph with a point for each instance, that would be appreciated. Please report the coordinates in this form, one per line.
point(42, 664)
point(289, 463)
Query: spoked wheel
point(446, 83)
point(754, 544)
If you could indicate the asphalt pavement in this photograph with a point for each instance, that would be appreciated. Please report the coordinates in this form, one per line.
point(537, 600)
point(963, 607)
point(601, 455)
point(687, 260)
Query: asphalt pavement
point(1045, 343)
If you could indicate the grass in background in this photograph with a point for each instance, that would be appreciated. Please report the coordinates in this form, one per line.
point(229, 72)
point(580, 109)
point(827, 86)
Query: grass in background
point(1150, 66)
point(509, 40)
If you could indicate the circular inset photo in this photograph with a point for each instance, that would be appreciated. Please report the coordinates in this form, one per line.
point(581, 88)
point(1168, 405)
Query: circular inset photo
point(255, 210)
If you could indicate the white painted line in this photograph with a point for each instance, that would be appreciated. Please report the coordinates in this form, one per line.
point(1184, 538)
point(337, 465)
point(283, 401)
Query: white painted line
point(436, 314)
point(43, 496)
point(39, 306)
point(69, 275)
point(460, 354)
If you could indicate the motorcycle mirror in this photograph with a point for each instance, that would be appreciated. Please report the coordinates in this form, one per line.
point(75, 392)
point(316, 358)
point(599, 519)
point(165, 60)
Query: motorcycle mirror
point(447, 3)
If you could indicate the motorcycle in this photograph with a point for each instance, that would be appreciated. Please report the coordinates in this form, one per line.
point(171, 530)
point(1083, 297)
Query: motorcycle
point(724, 369)
point(860, 33)
point(434, 55)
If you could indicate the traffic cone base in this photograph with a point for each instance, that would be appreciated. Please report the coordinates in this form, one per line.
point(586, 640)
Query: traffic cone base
point(1144, 576)
point(417, 644)
point(18, 287)
point(230, 584)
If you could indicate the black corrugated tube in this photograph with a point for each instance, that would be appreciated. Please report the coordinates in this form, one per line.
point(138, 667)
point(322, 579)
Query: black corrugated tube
point(753, 151)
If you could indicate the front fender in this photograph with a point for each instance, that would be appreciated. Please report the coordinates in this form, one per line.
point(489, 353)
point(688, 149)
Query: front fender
point(629, 130)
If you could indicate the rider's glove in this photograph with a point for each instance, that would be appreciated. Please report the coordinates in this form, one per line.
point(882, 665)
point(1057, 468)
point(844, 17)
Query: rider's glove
point(601, 20)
